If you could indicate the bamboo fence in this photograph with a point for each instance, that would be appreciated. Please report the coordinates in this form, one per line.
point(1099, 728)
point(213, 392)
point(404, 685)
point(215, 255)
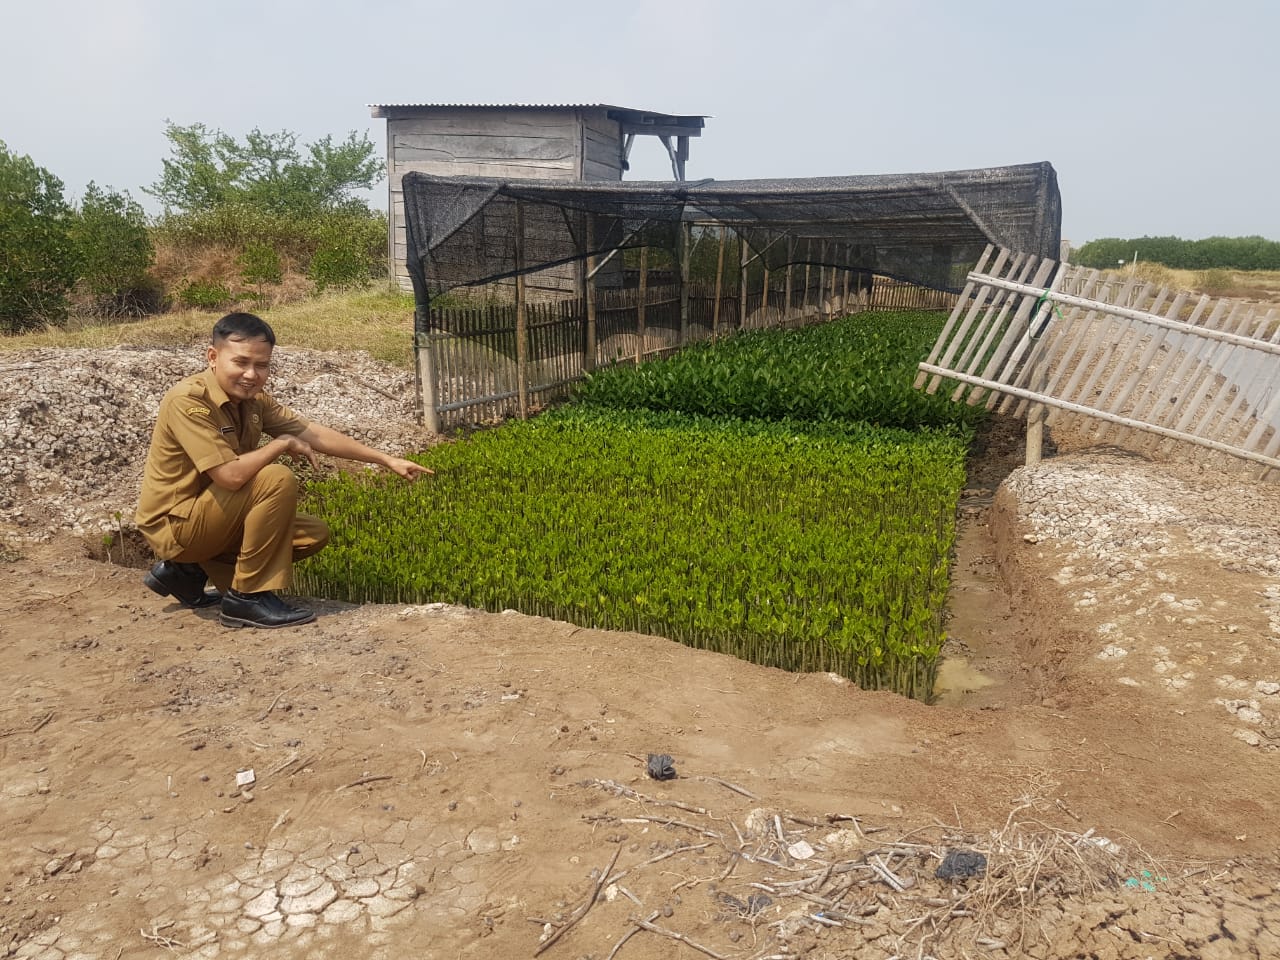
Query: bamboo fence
point(1148, 366)
point(486, 363)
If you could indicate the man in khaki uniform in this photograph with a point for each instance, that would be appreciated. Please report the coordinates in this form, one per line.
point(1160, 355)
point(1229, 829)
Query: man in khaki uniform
point(216, 505)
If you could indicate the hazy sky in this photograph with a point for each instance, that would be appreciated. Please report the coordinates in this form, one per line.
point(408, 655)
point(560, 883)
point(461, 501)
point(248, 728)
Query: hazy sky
point(1160, 117)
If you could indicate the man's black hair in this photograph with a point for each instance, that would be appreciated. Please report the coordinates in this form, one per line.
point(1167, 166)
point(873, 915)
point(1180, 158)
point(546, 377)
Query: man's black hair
point(243, 326)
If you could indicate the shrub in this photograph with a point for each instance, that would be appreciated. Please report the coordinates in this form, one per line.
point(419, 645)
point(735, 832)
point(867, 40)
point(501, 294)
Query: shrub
point(114, 251)
point(204, 294)
point(38, 260)
point(259, 263)
point(350, 253)
point(1215, 282)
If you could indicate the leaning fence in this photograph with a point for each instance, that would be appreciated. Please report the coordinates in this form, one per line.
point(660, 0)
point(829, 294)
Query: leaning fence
point(472, 368)
point(1119, 357)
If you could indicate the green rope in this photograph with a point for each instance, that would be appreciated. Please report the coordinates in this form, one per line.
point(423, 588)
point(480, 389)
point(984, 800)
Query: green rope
point(1036, 309)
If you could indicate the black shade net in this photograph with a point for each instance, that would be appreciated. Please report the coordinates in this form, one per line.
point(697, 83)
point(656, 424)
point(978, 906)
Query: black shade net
point(924, 228)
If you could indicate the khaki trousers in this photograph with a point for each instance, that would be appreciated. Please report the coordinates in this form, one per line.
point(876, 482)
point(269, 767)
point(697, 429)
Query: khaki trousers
point(248, 539)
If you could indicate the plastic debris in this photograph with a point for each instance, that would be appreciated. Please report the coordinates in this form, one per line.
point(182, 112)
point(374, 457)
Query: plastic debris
point(960, 864)
point(245, 778)
point(661, 766)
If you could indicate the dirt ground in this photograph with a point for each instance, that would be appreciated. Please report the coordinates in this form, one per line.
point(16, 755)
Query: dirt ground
point(440, 783)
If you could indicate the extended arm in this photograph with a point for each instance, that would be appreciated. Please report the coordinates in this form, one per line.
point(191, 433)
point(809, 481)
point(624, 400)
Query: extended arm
point(334, 444)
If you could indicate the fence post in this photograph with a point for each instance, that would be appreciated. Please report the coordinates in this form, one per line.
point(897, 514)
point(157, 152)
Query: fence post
point(589, 295)
point(522, 320)
point(640, 303)
point(715, 310)
point(808, 258)
point(685, 244)
point(791, 255)
point(425, 368)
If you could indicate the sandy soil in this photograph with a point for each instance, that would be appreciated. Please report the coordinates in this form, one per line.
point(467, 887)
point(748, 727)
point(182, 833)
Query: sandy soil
point(439, 783)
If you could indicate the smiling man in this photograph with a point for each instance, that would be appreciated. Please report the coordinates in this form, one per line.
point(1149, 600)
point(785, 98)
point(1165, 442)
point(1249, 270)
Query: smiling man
point(215, 504)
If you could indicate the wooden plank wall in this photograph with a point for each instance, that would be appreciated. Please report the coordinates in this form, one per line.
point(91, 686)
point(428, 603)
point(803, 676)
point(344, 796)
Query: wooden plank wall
point(549, 145)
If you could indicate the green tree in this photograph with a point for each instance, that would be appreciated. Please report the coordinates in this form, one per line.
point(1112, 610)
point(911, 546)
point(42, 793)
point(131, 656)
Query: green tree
point(38, 259)
point(114, 250)
point(209, 168)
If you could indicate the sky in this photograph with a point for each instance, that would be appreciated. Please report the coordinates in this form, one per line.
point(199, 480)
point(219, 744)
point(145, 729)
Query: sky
point(1159, 117)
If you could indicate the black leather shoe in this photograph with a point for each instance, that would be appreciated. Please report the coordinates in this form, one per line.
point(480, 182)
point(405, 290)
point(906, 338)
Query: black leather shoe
point(263, 609)
point(182, 581)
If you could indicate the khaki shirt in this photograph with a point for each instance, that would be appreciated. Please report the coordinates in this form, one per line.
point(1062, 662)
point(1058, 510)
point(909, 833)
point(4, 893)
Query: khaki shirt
point(199, 427)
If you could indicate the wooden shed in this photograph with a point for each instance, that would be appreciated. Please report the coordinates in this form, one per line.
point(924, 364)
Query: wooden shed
point(567, 141)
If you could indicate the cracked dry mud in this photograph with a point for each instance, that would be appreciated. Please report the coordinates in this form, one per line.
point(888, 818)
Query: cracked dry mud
point(437, 782)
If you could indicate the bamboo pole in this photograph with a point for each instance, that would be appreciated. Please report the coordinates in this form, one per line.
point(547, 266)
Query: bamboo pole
point(808, 256)
point(427, 386)
point(522, 320)
point(791, 255)
point(589, 296)
point(742, 281)
point(715, 310)
point(685, 237)
point(764, 295)
point(640, 305)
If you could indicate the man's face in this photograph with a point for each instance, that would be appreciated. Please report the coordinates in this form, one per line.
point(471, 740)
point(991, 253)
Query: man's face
point(241, 367)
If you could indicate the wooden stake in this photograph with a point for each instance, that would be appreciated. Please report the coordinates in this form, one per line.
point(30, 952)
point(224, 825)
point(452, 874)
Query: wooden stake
point(686, 237)
point(589, 294)
point(742, 281)
point(640, 305)
point(715, 310)
point(522, 320)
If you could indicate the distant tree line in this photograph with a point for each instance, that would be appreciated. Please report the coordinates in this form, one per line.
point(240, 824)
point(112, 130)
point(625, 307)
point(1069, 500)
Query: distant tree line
point(239, 216)
point(1228, 253)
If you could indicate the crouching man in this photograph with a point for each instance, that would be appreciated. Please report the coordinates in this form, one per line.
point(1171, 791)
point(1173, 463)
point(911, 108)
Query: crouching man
point(217, 506)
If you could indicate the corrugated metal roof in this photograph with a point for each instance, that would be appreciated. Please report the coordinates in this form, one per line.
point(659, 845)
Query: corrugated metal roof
point(535, 106)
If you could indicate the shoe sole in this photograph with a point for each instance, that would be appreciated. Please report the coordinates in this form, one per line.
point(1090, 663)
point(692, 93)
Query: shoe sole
point(237, 622)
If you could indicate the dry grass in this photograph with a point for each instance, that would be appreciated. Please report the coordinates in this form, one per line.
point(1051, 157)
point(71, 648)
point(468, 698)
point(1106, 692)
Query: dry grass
point(1261, 285)
point(378, 321)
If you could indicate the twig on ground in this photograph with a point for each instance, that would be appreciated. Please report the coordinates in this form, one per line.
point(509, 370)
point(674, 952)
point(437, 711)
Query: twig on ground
point(672, 934)
point(730, 786)
point(43, 722)
point(267, 712)
point(582, 911)
point(363, 780)
point(612, 786)
point(155, 936)
point(629, 934)
point(662, 856)
point(665, 821)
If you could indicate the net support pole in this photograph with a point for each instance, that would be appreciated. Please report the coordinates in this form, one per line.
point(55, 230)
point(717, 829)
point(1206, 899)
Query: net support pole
point(808, 257)
point(715, 309)
point(589, 298)
point(1036, 413)
point(641, 303)
point(686, 237)
point(426, 371)
point(791, 255)
point(743, 260)
point(522, 318)
point(764, 293)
